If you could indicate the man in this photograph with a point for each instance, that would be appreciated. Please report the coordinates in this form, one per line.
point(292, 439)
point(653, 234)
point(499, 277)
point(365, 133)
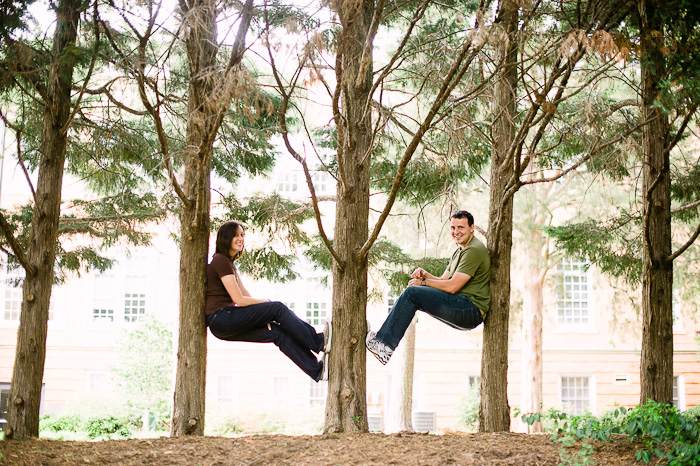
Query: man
point(460, 297)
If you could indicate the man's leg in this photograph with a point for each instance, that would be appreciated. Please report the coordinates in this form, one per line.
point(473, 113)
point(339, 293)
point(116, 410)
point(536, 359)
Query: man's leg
point(454, 309)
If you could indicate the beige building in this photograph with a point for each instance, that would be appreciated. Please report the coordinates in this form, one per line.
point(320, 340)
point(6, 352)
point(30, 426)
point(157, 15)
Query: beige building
point(591, 342)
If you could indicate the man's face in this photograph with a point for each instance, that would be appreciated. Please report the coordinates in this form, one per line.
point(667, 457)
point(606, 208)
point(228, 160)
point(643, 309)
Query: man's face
point(461, 232)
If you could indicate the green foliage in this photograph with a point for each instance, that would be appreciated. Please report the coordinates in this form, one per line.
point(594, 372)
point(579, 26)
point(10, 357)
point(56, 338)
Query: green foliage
point(661, 431)
point(266, 263)
point(145, 367)
point(610, 245)
point(94, 427)
point(468, 410)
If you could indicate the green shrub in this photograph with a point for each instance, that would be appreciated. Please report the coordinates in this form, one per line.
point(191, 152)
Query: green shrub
point(93, 427)
point(110, 426)
point(468, 410)
point(662, 430)
point(56, 423)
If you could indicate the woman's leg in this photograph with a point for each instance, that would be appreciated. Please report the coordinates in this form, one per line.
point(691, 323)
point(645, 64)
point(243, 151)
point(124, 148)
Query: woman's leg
point(250, 323)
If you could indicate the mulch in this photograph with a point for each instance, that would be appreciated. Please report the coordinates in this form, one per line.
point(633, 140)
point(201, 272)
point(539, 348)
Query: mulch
point(499, 449)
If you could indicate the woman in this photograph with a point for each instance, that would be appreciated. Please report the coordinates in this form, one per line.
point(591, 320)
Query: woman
point(233, 315)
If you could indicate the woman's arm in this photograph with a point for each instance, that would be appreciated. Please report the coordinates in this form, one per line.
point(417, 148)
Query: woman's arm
point(244, 292)
point(237, 295)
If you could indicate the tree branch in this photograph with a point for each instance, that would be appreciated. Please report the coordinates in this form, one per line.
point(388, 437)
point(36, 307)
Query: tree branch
point(16, 248)
point(682, 249)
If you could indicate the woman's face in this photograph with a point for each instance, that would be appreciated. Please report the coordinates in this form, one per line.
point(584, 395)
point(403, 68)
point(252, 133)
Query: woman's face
point(237, 243)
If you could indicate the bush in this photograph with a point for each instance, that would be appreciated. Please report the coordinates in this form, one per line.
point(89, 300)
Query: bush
point(663, 431)
point(94, 427)
point(56, 423)
point(468, 410)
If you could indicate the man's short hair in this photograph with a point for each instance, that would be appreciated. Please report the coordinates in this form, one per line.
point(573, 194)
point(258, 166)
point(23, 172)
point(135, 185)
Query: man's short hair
point(464, 214)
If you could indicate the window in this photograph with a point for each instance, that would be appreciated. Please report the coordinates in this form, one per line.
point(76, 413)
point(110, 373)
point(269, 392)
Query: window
point(103, 315)
point(4, 401)
point(280, 392)
point(474, 383)
point(13, 303)
point(575, 395)
point(134, 306)
point(97, 382)
point(678, 400)
point(316, 313)
point(317, 393)
point(289, 183)
point(391, 300)
point(224, 389)
point(573, 294)
point(323, 182)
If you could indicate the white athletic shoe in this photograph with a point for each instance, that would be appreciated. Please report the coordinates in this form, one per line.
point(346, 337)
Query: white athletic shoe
point(324, 359)
point(378, 348)
point(327, 333)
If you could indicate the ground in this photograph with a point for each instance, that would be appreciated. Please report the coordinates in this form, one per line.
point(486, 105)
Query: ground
point(335, 449)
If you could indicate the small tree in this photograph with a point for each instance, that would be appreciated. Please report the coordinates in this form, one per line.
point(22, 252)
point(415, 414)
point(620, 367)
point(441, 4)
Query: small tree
point(144, 371)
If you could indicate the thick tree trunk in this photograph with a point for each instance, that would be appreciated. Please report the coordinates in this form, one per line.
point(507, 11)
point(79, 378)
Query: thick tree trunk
point(402, 383)
point(657, 333)
point(28, 373)
point(494, 412)
point(188, 405)
point(346, 408)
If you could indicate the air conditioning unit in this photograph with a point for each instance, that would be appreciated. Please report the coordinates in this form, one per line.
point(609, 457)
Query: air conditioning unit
point(424, 421)
point(375, 422)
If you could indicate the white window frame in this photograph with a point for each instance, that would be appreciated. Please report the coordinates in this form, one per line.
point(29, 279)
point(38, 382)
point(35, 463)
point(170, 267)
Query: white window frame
point(583, 327)
point(4, 387)
point(227, 395)
point(318, 392)
point(591, 391)
point(679, 381)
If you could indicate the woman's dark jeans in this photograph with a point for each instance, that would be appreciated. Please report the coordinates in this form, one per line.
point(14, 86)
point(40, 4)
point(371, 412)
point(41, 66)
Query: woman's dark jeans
point(455, 310)
point(295, 338)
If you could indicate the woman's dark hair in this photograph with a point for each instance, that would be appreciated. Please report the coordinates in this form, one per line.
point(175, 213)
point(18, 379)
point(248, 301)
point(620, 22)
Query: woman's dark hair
point(464, 214)
point(226, 233)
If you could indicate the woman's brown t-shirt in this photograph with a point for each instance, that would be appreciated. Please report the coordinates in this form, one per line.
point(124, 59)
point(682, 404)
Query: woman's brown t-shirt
point(217, 296)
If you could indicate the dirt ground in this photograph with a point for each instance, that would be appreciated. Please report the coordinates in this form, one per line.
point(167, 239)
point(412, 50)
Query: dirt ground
point(335, 449)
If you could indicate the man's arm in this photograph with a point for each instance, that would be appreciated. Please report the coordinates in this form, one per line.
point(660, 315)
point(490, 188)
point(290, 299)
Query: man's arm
point(452, 285)
point(421, 273)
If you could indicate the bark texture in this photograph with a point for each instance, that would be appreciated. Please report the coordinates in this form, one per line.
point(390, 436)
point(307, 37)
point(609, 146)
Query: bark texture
point(401, 406)
point(346, 408)
point(657, 287)
point(188, 405)
point(494, 411)
point(28, 373)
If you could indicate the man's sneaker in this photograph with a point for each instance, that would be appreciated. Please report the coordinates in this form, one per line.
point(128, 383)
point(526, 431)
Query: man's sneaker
point(324, 360)
point(327, 332)
point(379, 349)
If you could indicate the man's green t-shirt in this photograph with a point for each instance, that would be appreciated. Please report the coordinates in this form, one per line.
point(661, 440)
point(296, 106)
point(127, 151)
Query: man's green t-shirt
point(473, 260)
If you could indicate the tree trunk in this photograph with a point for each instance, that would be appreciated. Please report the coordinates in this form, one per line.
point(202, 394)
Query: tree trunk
point(188, 405)
point(28, 373)
point(346, 408)
point(532, 336)
point(494, 412)
point(402, 383)
point(657, 289)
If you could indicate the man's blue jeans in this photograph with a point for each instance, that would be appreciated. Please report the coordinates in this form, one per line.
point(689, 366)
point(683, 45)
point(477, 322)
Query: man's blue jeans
point(455, 310)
